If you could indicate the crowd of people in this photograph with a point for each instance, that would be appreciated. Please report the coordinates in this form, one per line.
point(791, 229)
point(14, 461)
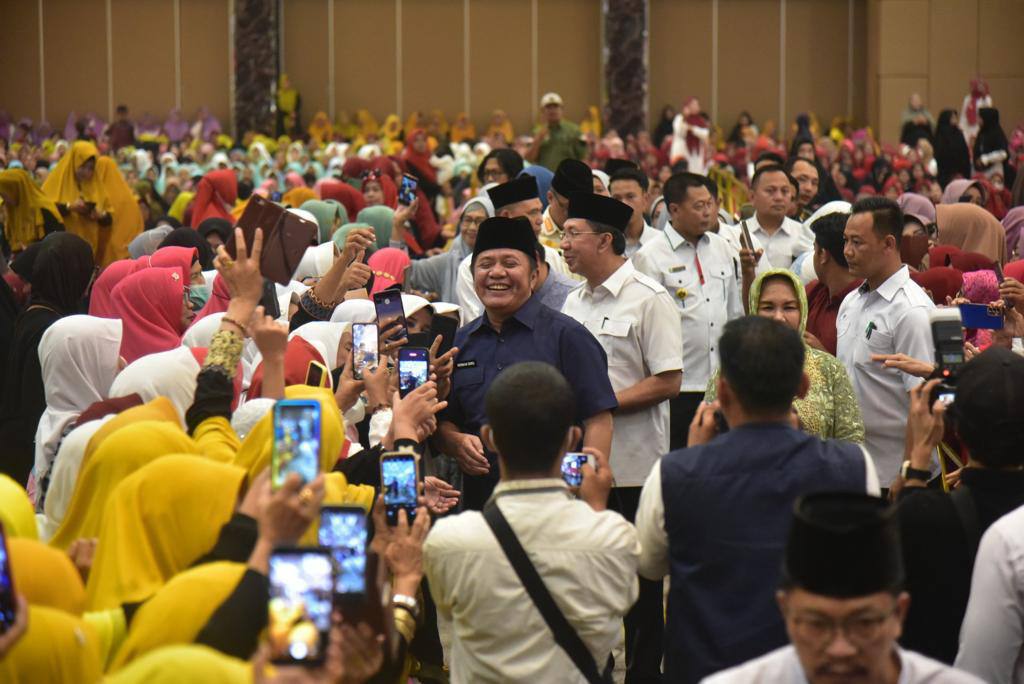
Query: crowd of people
point(724, 408)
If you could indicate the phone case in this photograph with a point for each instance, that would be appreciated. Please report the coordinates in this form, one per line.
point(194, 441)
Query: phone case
point(285, 237)
point(978, 316)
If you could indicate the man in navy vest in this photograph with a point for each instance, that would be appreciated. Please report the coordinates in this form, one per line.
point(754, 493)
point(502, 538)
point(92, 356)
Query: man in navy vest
point(716, 514)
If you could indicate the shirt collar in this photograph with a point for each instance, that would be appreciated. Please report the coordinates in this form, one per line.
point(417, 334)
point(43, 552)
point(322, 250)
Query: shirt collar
point(613, 283)
point(892, 285)
point(526, 316)
point(515, 486)
point(675, 239)
point(786, 226)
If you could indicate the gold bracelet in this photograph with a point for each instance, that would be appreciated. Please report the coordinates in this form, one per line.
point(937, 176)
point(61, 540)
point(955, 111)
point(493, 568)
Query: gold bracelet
point(235, 323)
point(319, 302)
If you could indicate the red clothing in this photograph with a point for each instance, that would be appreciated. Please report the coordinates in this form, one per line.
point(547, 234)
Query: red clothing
point(822, 311)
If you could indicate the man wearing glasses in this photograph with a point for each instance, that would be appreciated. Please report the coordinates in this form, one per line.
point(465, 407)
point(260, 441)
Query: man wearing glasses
point(702, 274)
point(843, 601)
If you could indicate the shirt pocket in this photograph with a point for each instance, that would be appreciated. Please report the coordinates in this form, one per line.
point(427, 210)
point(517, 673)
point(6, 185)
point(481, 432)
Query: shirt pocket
point(684, 286)
point(468, 377)
point(613, 334)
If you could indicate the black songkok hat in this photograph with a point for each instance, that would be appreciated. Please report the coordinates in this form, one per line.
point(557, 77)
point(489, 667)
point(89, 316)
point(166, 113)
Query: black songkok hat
point(517, 190)
point(572, 176)
point(600, 209)
point(844, 545)
point(501, 232)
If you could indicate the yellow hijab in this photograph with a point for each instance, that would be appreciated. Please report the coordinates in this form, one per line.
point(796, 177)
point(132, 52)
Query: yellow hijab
point(62, 186)
point(113, 240)
point(320, 129)
point(157, 522)
point(255, 452)
point(16, 512)
point(180, 204)
point(160, 408)
point(193, 664)
point(462, 129)
point(23, 223)
point(287, 97)
point(391, 128)
point(57, 648)
point(296, 197)
point(118, 456)
point(179, 610)
point(46, 576)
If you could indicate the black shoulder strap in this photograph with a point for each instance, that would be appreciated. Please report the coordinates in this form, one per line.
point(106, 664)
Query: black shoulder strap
point(967, 511)
point(565, 635)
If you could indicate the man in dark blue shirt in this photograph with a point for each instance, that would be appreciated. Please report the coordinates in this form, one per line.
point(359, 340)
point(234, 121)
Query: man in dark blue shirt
point(516, 327)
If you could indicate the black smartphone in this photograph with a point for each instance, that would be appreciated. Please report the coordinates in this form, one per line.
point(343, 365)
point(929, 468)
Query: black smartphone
point(388, 305)
point(343, 531)
point(999, 274)
point(407, 190)
point(746, 236)
point(269, 301)
point(399, 481)
point(445, 327)
point(364, 348)
point(572, 468)
point(8, 603)
point(300, 604)
point(948, 338)
point(296, 440)
point(413, 368)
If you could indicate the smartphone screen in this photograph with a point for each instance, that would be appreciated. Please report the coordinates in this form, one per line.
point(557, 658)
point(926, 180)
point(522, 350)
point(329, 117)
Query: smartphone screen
point(398, 479)
point(572, 468)
point(445, 327)
point(407, 190)
point(343, 532)
point(389, 309)
point(296, 440)
point(364, 348)
point(300, 605)
point(413, 368)
point(8, 604)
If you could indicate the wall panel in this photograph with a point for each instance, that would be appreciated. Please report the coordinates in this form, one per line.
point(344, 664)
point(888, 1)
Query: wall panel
point(499, 62)
point(75, 53)
point(749, 29)
point(364, 57)
point(893, 92)
point(679, 62)
point(953, 47)
point(306, 53)
point(816, 79)
point(205, 79)
point(432, 57)
point(569, 35)
point(19, 60)
point(904, 37)
point(143, 51)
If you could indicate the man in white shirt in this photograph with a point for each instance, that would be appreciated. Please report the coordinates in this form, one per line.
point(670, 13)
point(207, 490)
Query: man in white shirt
point(516, 198)
point(585, 555)
point(888, 314)
point(783, 238)
point(702, 274)
point(629, 185)
point(634, 319)
point(843, 601)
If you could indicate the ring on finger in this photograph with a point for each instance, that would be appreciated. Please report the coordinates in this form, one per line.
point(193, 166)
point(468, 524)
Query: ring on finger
point(306, 495)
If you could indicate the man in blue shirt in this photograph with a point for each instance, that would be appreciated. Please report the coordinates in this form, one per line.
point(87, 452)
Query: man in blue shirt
point(516, 327)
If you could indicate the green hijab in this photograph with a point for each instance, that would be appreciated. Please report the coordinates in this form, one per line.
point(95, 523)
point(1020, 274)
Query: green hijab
point(794, 280)
point(325, 211)
point(380, 218)
point(341, 235)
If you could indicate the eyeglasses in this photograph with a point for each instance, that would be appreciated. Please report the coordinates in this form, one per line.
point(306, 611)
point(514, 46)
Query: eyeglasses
point(469, 222)
point(572, 235)
point(494, 174)
point(819, 631)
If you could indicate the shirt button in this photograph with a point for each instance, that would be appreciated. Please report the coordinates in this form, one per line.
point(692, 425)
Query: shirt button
point(500, 366)
point(712, 325)
point(709, 300)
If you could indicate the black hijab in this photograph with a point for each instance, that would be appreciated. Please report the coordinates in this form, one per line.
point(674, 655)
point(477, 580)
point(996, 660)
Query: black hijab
point(218, 226)
point(951, 153)
point(991, 137)
point(189, 237)
point(62, 272)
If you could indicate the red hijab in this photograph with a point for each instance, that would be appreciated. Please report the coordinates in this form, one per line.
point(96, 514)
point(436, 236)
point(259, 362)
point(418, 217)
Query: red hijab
point(215, 196)
point(352, 199)
point(387, 186)
point(419, 163)
point(941, 281)
point(174, 257)
point(972, 261)
point(100, 302)
point(354, 167)
point(1015, 270)
point(388, 266)
point(297, 356)
point(220, 297)
point(149, 304)
point(942, 255)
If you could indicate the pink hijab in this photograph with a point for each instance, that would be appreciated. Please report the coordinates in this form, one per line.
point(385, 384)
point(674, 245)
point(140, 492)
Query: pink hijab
point(388, 266)
point(149, 304)
point(173, 257)
point(220, 297)
point(100, 302)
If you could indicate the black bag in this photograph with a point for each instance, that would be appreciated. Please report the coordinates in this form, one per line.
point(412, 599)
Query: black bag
point(565, 635)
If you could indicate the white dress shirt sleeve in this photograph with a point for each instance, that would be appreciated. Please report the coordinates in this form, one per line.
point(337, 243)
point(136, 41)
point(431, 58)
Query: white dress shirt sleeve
point(650, 527)
point(380, 423)
point(433, 572)
point(661, 336)
point(470, 306)
point(912, 335)
point(992, 633)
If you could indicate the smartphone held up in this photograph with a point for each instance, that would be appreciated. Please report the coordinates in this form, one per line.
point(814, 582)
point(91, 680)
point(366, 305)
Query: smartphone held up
point(296, 447)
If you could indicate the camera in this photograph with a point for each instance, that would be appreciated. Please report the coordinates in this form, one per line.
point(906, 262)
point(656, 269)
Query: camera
point(948, 338)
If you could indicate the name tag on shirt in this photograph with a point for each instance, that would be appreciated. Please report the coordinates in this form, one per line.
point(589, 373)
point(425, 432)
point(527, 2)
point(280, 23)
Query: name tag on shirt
point(466, 364)
point(676, 269)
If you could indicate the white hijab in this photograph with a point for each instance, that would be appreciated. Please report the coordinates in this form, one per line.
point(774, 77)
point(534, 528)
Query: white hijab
point(355, 311)
point(315, 262)
point(65, 475)
point(170, 374)
point(200, 333)
point(325, 336)
point(79, 357)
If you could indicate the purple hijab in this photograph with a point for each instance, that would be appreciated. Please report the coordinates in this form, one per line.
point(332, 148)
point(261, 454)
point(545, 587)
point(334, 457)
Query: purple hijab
point(1013, 224)
point(918, 206)
point(176, 127)
point(956, 188)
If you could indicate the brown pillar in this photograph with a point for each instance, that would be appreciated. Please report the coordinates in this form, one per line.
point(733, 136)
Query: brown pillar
point(256, 41)
point(625, 64)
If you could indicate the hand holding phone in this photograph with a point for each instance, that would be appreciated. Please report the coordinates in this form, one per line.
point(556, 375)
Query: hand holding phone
point(407, 189)
point(390, 315)
point(364, 348)
point(572, 467)
point(413, 369)
point(399, 480)
point(296, 441)
point(300, 605)
point(343, 531)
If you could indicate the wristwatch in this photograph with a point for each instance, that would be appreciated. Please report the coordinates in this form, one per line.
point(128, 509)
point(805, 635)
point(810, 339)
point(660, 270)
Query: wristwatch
point(408, 602)
point(908, 473)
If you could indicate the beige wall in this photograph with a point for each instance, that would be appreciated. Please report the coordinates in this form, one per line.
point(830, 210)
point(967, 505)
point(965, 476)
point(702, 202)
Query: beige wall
point(935, 47)
point(772, 57)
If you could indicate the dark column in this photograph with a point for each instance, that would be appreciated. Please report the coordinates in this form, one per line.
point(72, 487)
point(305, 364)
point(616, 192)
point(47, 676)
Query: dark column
point(256, 40)
point(625, 65)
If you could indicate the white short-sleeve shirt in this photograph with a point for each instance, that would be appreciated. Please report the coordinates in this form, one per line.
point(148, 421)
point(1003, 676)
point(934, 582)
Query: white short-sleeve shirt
point(706, 298)
point(892, 319)
point(634, 319)
point(784, 245)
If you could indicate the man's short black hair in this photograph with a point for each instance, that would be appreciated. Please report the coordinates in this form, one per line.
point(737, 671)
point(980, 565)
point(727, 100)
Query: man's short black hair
point(775, 159)
point(712, 187)
point(989, 407)
point(618, 237)
point(508, 159)
point(628, 174)
point(828, 234)
point(763, 362)
point(771, 168)
point(793, 161)
point(886, 215)
point(530, 408)
point(676, 187)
